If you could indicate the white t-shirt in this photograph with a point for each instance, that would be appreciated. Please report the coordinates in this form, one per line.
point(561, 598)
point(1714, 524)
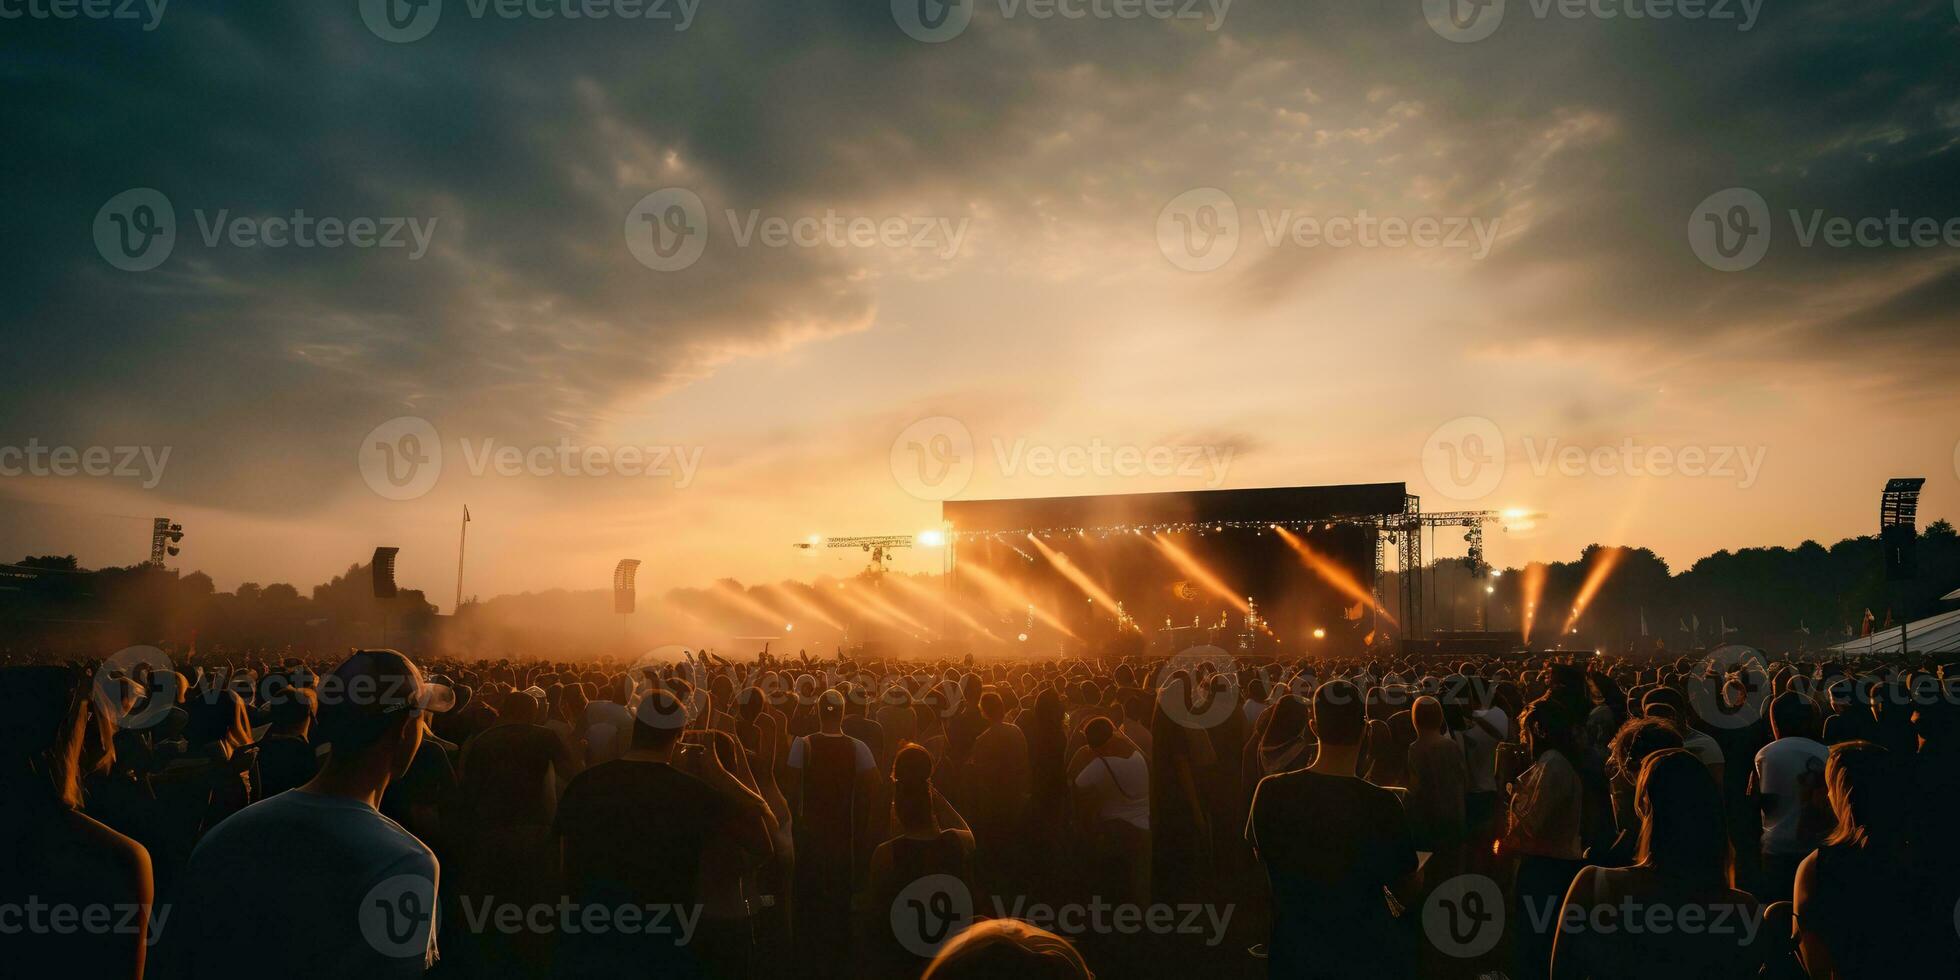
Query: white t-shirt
point(1252, 709)
point(1480, 749)
point(865, 762)
point(1124, 785)
point(1784, 768)
point(1703, 747)
point(307, 885)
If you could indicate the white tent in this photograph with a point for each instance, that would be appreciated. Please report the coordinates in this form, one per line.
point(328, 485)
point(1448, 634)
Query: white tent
point(1934, 634)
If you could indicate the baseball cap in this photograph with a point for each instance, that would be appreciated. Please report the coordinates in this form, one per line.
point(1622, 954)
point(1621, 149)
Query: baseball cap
point(372, 685)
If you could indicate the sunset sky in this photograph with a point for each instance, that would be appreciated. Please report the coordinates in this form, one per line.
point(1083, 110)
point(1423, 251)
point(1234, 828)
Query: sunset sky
point(1065, 318)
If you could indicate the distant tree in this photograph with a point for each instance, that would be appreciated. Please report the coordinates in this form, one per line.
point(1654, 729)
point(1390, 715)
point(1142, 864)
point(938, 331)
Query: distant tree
point(63, 563)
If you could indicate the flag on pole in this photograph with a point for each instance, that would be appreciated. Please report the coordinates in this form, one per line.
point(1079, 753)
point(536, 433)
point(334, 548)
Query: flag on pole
point(1865, 628)
point(1643, 620)
point(466, 513)
point(1801, 628)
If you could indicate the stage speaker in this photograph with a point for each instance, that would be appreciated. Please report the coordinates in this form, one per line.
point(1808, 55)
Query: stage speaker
point(1900, 546)
point(623, 584)
point(384, 572)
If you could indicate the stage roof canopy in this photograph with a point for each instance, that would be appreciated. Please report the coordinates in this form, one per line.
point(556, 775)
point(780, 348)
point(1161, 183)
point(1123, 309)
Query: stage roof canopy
point(1113, 510)
point(1934, 634)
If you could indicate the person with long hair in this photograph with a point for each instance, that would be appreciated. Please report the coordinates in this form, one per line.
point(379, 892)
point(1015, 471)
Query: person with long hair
point(1629, 748)
point(929, 838)
point(1676, 912)
point(1007, 948)
point(1180, 839)
point(1048, 794)
point(55, 855)
point(1547, 805)
point(1864, 889)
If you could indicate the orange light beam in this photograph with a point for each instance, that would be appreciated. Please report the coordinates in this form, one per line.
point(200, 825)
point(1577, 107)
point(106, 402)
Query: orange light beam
point(733, 596)
point(1076, 575)
point(1199, 573)
point(790, 597)
point(921, 594)
point(872, 598)
point(1333, 574)
point(1000, 589)
point(1530, 590)
point(1604, 561)
point(864, 609)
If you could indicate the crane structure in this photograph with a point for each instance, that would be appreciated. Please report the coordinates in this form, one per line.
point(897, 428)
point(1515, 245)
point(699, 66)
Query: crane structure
point(877, 545)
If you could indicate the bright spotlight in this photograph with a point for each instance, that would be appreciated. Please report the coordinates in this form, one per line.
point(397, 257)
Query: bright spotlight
point(815, 539)
point(789, 627)
point(1319, 634)
point(1490, 590)
point(1496, 573)
point(1023, 637)
point(932, 538)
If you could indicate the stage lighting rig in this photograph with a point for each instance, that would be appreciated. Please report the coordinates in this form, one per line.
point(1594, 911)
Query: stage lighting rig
point(164, 535)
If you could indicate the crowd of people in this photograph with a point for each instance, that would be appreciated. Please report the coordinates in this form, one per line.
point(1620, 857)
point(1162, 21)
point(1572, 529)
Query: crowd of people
point(1526, 816)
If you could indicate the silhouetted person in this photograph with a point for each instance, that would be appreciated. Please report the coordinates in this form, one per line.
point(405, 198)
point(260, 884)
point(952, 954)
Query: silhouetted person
point(54, 858)
point(1332, 843)
point(1676, 912)
point(315, 882)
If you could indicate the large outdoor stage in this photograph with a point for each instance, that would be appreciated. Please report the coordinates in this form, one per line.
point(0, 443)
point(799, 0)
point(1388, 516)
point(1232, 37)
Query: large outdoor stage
point(1280, 570)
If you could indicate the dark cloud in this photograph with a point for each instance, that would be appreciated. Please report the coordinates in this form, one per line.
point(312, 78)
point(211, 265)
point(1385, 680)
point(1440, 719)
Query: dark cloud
point(527, 142)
